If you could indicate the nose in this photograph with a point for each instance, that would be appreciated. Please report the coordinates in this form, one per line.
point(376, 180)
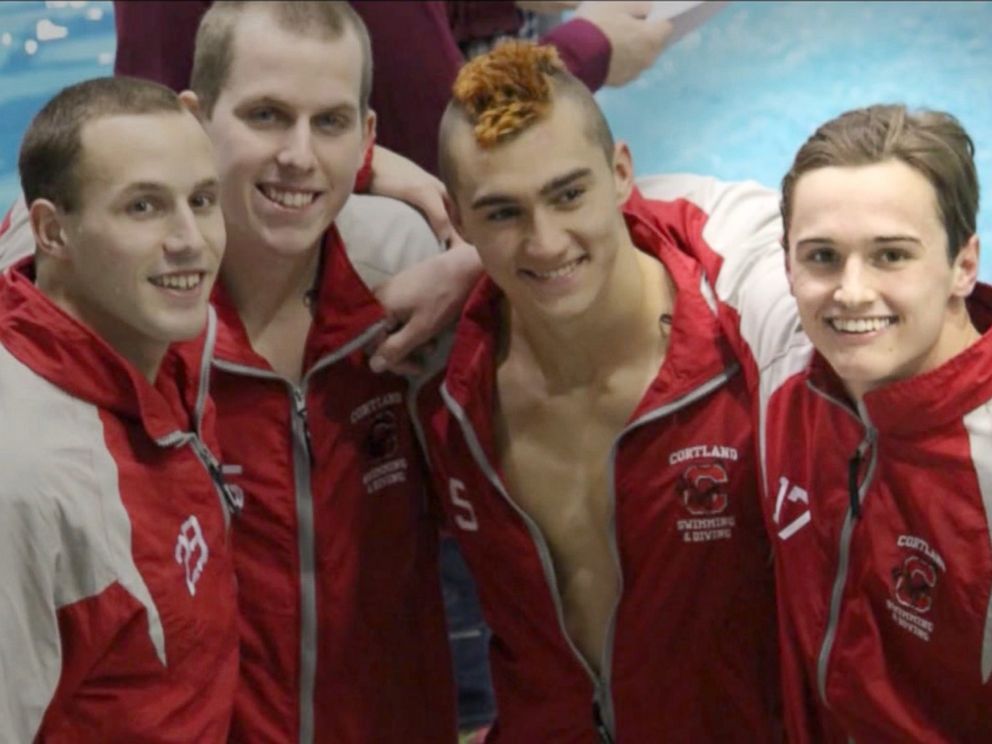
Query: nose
point(547, 239)
point(296, 148)
point(185, 235)
point(854, 287)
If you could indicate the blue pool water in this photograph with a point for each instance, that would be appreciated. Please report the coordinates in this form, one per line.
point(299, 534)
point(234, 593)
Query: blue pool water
point(733, 99)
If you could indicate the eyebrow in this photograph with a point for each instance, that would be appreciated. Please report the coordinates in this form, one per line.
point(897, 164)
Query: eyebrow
point(882, 239)
point(267, 100)
point(206, 183)
point(897, 239)
point(551, 186)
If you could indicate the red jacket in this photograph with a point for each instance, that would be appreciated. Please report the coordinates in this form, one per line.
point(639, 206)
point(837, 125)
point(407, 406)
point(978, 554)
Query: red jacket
point(691, 649)
point(880, 515)
point(342, 633)
point(117, 595)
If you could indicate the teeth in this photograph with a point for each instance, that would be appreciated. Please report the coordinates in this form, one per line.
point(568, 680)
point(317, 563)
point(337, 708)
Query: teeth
point(860, 325)
point(178, 281)
point(289, 199)
point(559, 272)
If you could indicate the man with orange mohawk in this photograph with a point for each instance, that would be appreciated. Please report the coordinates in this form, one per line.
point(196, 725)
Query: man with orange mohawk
point(591, 435)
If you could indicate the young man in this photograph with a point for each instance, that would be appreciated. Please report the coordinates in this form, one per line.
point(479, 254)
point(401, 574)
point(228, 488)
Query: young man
point(591, 435)
point(874, 429)
point(877, 432)
point(342, 628)
point(118, 603)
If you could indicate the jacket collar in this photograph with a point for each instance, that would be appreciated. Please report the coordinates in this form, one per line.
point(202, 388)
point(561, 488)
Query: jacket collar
point(72, 357)
point(697, 351)
point(932, 399)
point(345, 309)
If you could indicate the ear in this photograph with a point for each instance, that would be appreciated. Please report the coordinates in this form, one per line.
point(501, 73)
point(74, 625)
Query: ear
point(965, 268)
point(623, 171)
point(46, 221)
point(788, 265)
point(368, 129)
point(454, 213)
point(191, 101)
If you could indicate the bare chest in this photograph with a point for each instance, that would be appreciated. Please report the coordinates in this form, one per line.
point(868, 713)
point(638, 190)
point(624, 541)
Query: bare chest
point(555, 459)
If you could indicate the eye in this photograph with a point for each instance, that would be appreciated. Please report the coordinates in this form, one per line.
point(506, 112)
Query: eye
point(820, 256)
point(891, 256)
point(502, 214)
point(140, 207)
point(332, 122)
point(570, 195)
point(262, 115)
point(203, 200)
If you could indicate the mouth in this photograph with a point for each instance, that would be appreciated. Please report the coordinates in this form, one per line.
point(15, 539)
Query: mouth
point(561, 272)
point(292, 199)
point(862, 326)
point(179, 281)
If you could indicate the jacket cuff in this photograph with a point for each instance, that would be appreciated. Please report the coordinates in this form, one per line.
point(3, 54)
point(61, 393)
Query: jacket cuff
point(363, 179)
point(584, 49)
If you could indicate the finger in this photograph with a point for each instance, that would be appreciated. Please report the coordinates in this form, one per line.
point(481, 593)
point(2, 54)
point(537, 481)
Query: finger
point(437, 217)
point(663, 29)
point(397, 347)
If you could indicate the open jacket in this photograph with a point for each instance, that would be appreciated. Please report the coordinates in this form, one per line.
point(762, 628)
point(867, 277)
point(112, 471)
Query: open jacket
point(690, 653)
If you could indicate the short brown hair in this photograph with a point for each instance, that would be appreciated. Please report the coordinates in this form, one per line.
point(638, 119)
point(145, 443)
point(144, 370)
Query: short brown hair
point(52, 147)
point(213, 52)
point(931, 142)
point(507, 90)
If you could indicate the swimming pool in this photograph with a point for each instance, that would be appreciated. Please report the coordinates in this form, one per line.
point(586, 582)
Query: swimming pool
point(733, 99)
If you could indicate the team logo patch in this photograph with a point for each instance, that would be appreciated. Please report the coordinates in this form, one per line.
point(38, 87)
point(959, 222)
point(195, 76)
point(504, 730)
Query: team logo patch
point(914, 581)
point(378, 421)
point(192, 552)
point(382, 439)
point(703, 489)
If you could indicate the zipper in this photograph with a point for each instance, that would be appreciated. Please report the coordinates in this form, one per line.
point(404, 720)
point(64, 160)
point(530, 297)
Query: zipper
point(537, 537)
point(306, 554)
point(602, 703)
point(601, 728)
point(231, 500)
point(302, 472)
point(856, 496)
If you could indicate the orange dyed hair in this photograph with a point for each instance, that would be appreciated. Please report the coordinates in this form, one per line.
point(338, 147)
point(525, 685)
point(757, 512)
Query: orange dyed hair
point(505, 91)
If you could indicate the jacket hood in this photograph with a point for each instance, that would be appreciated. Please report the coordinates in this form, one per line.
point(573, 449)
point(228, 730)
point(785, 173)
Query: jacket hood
point(346, 308)
point(72, 357)
point(931, 399)
point(696, 353)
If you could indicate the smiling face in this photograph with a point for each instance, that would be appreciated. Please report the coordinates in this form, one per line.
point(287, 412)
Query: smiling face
point(543, 210)
point(141, 251)
point(869, 268)
point(289, 134)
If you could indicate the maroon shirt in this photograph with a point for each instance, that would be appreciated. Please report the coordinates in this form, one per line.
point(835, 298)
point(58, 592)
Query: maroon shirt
point(414, 55)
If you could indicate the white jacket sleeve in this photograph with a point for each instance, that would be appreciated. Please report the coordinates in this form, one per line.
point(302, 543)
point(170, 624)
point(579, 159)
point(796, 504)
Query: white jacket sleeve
point(30, 649)
point(16, 240)
point(744, 226)
point(383, 236)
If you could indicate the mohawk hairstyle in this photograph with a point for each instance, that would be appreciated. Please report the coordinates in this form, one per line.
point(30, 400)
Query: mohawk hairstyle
point(510, 88)
point(506, 90)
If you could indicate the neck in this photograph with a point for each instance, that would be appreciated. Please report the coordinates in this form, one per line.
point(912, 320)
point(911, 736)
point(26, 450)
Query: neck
point(262, 283)
point(959, 332)
point(142, 353)
point(618, 329)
